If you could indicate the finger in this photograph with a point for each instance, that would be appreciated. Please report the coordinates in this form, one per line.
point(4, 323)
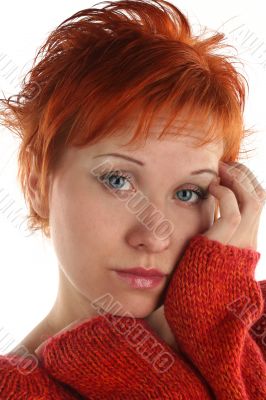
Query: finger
point(246, 187)
point(257, 187)
point(247, 179)
point(241, 177)
point(223, 229)
point(249, 194)
point(250, 217)
point(240, 237)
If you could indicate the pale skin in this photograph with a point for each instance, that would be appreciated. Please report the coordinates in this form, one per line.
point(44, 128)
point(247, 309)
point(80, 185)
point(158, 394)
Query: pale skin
point(88, 241)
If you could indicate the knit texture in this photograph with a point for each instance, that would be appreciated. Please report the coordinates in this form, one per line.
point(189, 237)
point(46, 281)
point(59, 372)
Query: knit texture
point(217, 313)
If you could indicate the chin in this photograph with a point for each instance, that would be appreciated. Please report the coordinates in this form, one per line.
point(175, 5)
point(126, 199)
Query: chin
point(134, 312)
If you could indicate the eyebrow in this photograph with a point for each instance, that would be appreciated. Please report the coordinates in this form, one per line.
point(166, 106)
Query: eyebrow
point(197, 172)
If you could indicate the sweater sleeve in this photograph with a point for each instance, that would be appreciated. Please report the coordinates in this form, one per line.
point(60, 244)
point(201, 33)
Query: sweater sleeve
point(258, 329)
point(22, 378)
point(211, 303)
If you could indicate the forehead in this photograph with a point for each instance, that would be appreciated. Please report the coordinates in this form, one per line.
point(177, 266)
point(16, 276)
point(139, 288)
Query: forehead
point(166, 155)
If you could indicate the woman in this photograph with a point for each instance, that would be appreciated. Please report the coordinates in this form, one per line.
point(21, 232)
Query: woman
point(136, 100)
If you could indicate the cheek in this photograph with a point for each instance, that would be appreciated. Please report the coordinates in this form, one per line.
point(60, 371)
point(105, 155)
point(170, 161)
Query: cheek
point(82, 227)
point(82, 242)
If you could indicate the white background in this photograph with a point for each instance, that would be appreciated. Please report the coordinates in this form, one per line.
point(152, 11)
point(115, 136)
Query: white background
point(28, 265)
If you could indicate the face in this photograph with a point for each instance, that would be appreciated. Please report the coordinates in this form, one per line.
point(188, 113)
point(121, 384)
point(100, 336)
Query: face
point(94, 231)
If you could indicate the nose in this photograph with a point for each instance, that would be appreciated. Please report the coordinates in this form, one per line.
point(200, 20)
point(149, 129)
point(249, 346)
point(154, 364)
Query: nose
point(154, 240)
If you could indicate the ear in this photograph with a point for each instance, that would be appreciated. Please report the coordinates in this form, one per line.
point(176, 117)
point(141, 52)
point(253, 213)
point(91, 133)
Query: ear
point(34, 193)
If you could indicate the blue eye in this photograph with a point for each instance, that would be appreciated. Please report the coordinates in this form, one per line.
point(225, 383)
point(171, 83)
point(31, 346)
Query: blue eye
point(200, 193)
point(114, 180)
point(114, 177)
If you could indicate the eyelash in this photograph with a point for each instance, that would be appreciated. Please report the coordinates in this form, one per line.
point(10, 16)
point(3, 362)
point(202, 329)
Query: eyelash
point(200, 192)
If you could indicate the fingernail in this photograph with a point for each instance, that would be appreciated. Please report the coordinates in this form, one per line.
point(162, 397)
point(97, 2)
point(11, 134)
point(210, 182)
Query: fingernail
point(223, 165)
point(216, 181)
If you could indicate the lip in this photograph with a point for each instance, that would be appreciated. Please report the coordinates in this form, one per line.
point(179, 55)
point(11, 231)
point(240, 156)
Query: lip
point(142, 272)
point(140, 281)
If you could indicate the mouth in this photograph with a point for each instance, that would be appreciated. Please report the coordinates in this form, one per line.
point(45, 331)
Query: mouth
point(139, 281)
point(142, 271)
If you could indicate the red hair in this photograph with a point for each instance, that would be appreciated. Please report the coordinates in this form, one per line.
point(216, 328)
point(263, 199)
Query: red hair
point(102, 64)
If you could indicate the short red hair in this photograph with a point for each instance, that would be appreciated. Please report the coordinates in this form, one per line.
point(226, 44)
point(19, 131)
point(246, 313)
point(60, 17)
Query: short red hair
point(102, 64)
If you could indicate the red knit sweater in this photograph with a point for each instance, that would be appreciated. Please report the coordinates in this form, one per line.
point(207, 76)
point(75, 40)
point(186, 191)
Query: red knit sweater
point(217, 312)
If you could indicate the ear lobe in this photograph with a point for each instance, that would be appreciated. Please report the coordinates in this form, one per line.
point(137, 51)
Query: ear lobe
point(34, 193)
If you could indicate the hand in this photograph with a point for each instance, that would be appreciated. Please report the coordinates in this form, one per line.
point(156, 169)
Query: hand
point(241, 200)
